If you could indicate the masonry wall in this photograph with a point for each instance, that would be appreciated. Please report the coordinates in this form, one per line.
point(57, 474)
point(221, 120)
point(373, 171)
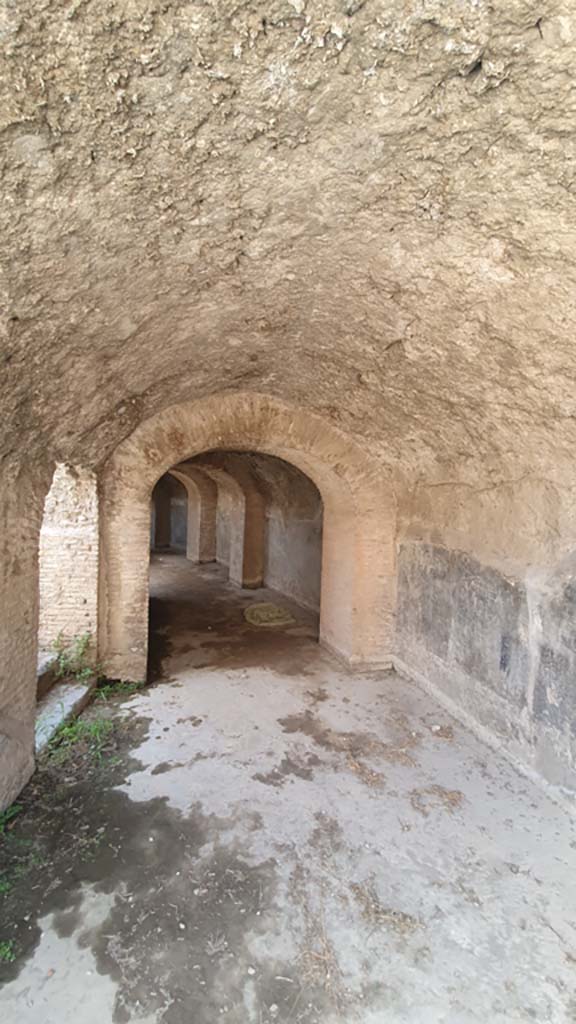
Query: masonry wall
point(293, 557)
point(224, 513)
point(20, 517)
point(178, 520)
point(293, 536)
point(494, 631)
point(68, 558)
point(169, 506)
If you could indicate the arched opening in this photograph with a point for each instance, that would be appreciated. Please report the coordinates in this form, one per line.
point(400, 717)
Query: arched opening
point(358, 536)
point(68, 558)
point(68, 554)
point(202, 497)
point(265, 573)
point(169, 515)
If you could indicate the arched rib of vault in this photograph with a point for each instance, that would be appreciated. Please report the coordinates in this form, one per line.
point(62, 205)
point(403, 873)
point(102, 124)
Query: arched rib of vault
point(358, 565)
point(201, 521)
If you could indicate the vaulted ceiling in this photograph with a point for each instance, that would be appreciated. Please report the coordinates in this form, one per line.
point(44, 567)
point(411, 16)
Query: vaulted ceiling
point(359, 206)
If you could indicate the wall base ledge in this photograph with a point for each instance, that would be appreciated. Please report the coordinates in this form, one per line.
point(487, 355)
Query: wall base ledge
point(354, 663)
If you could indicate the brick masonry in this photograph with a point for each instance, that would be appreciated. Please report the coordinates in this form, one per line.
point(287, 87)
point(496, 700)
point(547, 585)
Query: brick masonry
point(69, 557)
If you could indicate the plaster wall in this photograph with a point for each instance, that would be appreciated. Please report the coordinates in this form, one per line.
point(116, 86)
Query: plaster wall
point(293, 558)
point(487, 612)
point(198, 532)
point(293, 539)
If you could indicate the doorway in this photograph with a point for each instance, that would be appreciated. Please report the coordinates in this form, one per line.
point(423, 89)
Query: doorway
point(251, 597)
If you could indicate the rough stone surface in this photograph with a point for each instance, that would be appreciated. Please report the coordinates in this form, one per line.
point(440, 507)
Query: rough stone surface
point(360, 207)
point(20, 518)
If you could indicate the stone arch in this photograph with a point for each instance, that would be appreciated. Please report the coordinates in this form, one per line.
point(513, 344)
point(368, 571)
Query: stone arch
point(202, 502)
point(358, 571)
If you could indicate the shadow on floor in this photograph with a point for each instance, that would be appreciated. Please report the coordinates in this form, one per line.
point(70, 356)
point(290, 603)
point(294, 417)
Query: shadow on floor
point(197, 616)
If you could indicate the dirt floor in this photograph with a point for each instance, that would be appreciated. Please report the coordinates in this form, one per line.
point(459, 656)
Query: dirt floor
point(259, 837)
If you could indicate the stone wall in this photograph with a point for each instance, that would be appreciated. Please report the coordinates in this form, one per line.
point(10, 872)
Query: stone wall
point(168, 527)
point(178, 517)
point(501, 647)
point(69, 557)
point(293, 544)
point(20, 518)
point(224, 514)
point(293, 558)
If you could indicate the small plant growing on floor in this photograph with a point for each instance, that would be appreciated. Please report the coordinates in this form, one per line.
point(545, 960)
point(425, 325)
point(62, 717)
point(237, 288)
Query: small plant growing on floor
point(7, 954)
point(7, 816)
point(119, 687)
point(73, 657)
point(90, 734)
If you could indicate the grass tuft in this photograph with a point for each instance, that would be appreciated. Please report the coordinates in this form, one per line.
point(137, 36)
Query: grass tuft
point(73, 658)
point(119, 687)
point(7, 816)
point(7, 954)
point(90, 734)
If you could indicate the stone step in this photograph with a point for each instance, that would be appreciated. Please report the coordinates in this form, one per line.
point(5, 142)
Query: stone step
point(64, 701)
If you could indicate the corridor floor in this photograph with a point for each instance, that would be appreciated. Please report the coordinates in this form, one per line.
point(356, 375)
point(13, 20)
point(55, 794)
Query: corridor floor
point(276, 841)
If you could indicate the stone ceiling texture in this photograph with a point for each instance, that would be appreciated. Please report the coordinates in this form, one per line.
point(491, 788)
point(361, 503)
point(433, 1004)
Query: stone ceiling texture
point(361, 206)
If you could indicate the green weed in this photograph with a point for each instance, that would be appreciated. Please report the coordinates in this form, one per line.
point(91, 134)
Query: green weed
point(7, 954)
point(28, 859)
point(119, 688)
point(7, 816)
point(89, 735)
point(73, 658)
